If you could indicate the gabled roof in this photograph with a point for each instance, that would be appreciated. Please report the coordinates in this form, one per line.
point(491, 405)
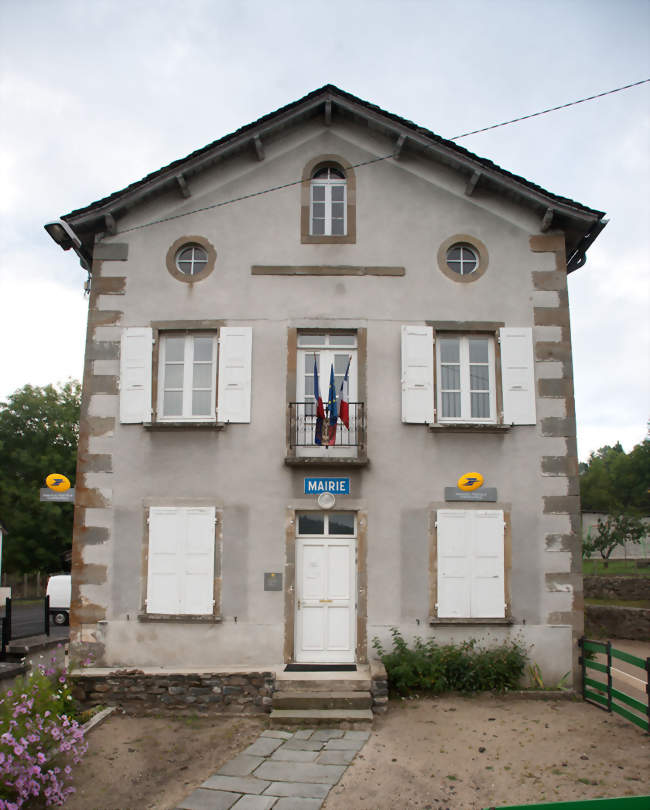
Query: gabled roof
point(580, 223)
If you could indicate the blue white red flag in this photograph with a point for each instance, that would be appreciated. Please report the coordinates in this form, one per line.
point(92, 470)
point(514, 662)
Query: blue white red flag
point(332, 409)
point(320, 411)
point(344, 398)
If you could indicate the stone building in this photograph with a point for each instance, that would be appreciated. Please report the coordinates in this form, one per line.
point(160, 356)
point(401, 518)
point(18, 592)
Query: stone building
point(328, 242)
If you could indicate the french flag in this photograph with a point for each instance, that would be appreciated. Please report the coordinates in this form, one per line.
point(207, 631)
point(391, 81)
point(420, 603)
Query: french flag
point(344, 398)
point(320, 411)
point(332, 409)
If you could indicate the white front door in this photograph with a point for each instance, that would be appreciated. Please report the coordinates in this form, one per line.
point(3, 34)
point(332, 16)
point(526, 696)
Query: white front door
point(325, 625)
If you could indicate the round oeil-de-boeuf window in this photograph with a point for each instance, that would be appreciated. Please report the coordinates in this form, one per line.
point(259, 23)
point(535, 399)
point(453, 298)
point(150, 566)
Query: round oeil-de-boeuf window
point(463, 258)
point(191, 258)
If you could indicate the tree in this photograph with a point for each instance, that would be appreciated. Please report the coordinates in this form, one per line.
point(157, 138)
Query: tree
point(613, 531)
point(39, 430)
point(616, 482)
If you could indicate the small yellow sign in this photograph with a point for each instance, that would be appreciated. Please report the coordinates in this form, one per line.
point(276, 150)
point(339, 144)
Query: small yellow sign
point(470, 481)
point(59, 483)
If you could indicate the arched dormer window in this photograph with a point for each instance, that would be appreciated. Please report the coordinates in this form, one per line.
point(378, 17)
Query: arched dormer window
point(327, 216)
point(328, 202)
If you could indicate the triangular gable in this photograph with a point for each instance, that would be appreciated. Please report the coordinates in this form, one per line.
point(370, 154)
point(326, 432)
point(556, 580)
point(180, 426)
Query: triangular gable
point(580, 223)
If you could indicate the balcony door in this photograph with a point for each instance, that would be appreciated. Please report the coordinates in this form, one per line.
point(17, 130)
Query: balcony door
point(327, 351)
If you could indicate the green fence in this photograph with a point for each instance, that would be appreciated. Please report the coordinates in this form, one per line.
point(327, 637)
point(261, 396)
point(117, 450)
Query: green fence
point(625, 803)
point(602, 693)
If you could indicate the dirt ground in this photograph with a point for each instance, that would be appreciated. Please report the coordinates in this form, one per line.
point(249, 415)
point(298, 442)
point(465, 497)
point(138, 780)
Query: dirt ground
point(448, 752)
point(147, 763)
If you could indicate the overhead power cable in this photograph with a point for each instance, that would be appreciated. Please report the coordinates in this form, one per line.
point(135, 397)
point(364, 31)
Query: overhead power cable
point(383, 157)
point(550, 109)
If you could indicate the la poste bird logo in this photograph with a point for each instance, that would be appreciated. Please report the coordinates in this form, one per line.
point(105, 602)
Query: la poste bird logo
point(470, 481)
point(59, 483)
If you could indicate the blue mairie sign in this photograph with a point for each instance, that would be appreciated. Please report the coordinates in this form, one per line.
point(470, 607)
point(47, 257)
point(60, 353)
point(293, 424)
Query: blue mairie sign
point(337, 486)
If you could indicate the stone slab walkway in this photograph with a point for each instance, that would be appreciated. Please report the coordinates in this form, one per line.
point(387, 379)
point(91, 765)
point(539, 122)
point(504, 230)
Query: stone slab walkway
point(280, 770)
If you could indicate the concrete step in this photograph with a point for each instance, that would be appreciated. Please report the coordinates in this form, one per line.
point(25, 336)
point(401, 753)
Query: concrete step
point(328, 718)
point(332, 699)
point(319, 684)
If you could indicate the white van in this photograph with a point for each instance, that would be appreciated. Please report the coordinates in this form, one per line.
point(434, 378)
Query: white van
point(58, 589)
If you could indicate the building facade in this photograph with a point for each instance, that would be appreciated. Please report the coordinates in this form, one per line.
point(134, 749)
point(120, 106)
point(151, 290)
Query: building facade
point(330, 246)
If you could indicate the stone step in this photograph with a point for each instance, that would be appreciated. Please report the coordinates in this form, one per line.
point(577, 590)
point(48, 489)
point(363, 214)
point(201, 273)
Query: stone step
point(332, 699)
point(302, 684)
point(328, 718)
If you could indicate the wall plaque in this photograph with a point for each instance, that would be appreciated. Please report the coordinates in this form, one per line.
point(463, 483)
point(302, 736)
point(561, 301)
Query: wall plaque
point(488, 494)
point(272, 582)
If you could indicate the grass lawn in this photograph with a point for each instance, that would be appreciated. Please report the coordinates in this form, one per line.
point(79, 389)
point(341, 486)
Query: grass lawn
point(613, 568)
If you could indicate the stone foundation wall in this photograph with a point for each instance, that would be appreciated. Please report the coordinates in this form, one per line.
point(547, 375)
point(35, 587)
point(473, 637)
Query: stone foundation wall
point(137, 692)
point(617, 622)
point(617, 587)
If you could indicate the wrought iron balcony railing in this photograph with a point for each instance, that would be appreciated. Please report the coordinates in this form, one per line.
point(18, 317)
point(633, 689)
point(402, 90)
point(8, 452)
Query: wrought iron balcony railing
point(302, 427)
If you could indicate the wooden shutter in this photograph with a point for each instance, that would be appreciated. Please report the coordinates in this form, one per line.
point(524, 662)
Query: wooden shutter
point(180, 576)
point(471, 575)
point(135, 374)
point(234, 390)
point(518, 376)
point(454, 563)
point(488, 585)
point(165, 528)
point(197, 587)
point(417, 374)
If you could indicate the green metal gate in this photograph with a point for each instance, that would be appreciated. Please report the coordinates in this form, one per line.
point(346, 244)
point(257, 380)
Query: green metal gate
point(603, 694)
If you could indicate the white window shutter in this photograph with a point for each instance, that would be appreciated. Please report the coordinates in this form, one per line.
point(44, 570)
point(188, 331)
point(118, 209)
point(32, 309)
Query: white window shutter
point(234, 389)
point(417, 374)
point(454, 563)
point(488, 583)
point(135, 374)
point(165, 529)
point(197, 586)
point(518, 376)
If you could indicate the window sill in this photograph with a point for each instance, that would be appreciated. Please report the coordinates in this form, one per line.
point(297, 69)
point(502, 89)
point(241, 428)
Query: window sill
point(189, 618)
point(184, 425)
point(326, 461)
point(468, 427)
point(502, 621)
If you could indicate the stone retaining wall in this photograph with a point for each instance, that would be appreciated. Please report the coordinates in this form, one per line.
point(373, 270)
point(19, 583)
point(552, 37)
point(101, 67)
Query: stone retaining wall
point(604, 621)
point(137, 692)
point(378, 687)
point(617, 587)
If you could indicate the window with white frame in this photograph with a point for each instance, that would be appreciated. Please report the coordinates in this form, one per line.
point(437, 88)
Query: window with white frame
point(328, 203)
point(181, 560)
point(203, 376)
point(187, 377)
point(452, 377)
point(465, 372)
point(470, 553)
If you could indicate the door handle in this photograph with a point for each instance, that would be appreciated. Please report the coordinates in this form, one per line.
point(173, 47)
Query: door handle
point(325, 601)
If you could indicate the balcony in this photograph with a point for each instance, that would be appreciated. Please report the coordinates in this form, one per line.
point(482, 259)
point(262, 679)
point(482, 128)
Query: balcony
point(348, 446)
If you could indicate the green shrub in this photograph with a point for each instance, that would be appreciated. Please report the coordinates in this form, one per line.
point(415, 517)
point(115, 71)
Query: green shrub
point(465, 667)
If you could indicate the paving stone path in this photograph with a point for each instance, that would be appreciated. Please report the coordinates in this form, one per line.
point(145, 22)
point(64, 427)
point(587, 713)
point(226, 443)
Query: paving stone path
point(280, 770)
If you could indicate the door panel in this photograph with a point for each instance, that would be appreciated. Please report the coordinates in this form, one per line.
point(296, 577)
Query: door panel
point(325, 600)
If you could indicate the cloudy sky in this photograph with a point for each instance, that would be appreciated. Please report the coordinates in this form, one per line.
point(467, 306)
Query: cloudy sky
point(94, 94)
